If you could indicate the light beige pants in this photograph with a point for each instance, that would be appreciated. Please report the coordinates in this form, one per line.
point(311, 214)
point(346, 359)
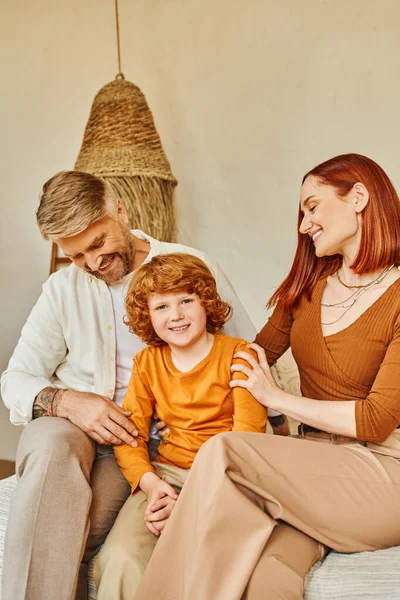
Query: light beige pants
point(122, 560)
point(65, 502)
point(257, 510)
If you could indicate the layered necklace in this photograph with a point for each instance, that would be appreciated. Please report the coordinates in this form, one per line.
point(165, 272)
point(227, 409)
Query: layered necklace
point(359, 290)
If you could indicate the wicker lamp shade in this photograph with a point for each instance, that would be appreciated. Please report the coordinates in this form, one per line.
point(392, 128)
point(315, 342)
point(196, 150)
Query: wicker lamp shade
point(121, 145)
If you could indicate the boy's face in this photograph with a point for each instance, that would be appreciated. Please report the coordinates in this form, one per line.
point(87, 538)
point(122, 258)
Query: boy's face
point(179, 319)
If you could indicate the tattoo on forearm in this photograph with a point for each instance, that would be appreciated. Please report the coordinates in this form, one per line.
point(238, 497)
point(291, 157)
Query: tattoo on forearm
point(44, 405)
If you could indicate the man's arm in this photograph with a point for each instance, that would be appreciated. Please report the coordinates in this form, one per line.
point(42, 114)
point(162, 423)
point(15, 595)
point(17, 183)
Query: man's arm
point(39, 351)
point(27, 387)
point(46, 402)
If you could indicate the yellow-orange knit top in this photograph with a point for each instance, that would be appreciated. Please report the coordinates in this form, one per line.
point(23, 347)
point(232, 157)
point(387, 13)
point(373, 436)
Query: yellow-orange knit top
point(196, 405)
point(361, 362)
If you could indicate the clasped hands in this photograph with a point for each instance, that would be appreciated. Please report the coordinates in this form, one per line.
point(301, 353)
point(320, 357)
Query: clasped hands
point(161, 499)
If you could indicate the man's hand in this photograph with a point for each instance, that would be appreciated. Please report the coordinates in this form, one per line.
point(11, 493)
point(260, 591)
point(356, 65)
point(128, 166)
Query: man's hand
point(98, 416)
point(161, 498)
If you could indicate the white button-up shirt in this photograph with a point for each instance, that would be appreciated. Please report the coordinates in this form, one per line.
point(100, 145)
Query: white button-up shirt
point(69, 338)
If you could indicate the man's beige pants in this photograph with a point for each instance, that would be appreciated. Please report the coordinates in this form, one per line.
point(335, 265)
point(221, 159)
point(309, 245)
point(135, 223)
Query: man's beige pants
point(65, 502)
point(122, 560)
point(257, 511)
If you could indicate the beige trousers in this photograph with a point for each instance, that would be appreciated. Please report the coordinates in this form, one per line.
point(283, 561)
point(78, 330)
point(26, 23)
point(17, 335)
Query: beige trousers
point(257, 511)
point(122, 560)
point(65, 502)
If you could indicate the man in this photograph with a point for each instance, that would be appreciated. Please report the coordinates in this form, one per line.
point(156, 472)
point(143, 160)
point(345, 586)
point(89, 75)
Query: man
point(73, 363)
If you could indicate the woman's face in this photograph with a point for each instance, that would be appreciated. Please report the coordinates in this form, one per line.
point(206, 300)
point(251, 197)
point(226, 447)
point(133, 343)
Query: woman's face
point(332, 222)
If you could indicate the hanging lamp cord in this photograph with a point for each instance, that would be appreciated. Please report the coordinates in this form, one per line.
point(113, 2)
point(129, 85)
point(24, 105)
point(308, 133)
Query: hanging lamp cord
point(120, 74)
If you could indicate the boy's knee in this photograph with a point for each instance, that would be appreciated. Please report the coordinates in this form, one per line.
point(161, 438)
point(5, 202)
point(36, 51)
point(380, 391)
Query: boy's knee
point(117, 561)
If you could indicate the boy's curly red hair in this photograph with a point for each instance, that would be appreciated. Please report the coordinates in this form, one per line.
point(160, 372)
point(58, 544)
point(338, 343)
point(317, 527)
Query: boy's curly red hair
point(172, 273)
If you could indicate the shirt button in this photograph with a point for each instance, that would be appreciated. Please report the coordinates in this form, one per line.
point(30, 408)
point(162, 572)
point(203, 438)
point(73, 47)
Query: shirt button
point(110, 392)
point(109, 327)
point(111, 357)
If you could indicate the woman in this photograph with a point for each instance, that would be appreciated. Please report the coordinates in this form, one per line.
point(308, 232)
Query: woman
point(259, 510)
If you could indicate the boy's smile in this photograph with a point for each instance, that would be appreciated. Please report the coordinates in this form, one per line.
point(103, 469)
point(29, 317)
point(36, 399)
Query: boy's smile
point(180, 327)
point(178, 319)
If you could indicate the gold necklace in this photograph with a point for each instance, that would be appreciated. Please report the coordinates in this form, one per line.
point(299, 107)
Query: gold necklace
point(357, 287)
point(359, 292)
point(342, 303)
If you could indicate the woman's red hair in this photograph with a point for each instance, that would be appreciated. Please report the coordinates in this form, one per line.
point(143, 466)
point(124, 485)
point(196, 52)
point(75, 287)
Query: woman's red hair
point(380, 235)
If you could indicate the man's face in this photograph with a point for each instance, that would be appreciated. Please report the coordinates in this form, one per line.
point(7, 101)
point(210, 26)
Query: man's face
point(105, 249)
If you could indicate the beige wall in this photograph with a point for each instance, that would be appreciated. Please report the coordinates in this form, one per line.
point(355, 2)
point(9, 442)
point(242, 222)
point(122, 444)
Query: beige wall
point(247, 95)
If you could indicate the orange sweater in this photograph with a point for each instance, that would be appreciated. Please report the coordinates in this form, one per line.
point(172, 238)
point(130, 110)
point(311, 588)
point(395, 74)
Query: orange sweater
point(361, 362)
point(196, 405)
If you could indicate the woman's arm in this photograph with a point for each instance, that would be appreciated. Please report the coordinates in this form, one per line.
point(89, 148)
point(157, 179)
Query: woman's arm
point(370, 419)
point(274, 337)
point(333, 416)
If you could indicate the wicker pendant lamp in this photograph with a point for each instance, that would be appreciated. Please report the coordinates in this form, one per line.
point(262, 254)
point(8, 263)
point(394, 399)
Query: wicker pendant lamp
point(121, 145)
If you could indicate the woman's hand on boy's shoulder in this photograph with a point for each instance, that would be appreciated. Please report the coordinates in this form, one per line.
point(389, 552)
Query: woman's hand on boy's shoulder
point(256, 377)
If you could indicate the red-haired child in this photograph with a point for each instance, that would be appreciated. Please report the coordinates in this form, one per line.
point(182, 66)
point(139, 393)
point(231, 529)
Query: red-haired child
point(172, 305)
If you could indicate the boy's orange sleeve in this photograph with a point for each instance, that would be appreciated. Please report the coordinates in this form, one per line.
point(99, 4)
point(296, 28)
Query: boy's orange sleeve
point(248, 413)
point(135, 462)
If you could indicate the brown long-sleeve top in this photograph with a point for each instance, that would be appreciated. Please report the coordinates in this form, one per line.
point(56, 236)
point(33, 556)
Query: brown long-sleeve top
point(361, 362)
point(196, 405)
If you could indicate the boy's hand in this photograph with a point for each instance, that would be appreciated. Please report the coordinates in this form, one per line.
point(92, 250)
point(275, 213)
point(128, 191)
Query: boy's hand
point(158, 514)
point(156, 490)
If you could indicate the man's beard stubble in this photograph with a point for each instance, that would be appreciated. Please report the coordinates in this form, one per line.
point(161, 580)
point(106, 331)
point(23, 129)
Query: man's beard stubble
point(126, 255)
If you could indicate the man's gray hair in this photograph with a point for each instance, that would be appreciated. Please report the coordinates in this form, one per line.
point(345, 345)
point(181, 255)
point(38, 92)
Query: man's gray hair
point(71, 201)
